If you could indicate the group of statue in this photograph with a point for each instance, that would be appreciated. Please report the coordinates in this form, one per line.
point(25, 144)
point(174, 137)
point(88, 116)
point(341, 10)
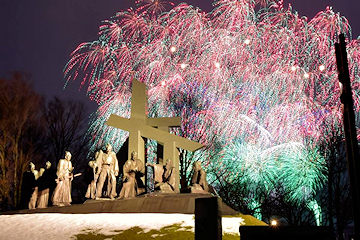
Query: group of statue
point(105, 169)
point(38, 186)
point(35, 187)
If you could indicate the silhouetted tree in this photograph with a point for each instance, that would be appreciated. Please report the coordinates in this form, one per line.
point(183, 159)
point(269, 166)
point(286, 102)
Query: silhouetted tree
point(336, 194)
point(66, 122)
point(20, 127)
point(66, 125)
point(38, 131)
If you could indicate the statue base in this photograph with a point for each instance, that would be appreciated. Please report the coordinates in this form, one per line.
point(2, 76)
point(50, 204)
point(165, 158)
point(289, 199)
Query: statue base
point(148, 203)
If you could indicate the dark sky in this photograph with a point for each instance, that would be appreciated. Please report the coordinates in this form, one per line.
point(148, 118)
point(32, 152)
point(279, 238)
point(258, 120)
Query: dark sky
point(37, 36)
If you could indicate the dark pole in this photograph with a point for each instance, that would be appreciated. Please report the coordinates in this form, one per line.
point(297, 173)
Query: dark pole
point(352, 149)
point(208, 218)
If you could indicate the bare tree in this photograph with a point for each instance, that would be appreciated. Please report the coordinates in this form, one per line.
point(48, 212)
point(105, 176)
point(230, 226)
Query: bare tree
point(66, 123)
point(336, 194)
point(32, 130)
point(20, 114)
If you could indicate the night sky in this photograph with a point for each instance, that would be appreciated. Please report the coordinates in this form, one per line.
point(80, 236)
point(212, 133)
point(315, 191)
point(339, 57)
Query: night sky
point(38, 36)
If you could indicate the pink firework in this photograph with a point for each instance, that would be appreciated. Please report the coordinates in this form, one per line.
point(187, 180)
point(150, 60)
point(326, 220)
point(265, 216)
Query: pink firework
point(251, 77)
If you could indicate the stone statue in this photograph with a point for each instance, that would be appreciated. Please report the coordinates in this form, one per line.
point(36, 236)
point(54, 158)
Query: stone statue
point(62, 192)
point(45, 182)
point(35, 194)
point(27, 186)
point(198, 180)
point(108, 168)
point(133, 170)
point(91, 178)
point(165, 177)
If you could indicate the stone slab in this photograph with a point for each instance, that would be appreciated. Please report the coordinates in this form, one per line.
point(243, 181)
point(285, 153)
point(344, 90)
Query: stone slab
point(149, 203)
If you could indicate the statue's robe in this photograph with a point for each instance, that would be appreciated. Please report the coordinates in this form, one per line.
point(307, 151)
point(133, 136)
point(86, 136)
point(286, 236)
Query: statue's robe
point(35, 194)
point(90, 178)
point(62, 192)
point(165, 179)
point(198, 182)
point(46, 185)
point(107, 166)
point(27, 188)
point(133, 170)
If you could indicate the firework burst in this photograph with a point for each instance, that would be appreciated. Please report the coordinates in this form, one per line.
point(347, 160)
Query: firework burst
point(253, 80)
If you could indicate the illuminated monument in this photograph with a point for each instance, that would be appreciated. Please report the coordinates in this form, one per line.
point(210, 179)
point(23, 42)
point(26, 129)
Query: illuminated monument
point(140, 126)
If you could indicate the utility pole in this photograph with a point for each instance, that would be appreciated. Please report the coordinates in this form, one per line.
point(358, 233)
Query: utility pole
point(352, 148)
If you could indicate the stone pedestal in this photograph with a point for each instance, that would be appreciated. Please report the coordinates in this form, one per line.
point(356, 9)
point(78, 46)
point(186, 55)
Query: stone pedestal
point(154, 203)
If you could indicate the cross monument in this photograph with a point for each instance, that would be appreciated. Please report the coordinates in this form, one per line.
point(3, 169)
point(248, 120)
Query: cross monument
point(139, 126)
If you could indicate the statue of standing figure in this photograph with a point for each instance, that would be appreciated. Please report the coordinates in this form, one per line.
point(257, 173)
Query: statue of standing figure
point(45, 183)
point(198, 180)
point(133, 170)
point(28, 185)
point(165, 177)
point(108, 168)
point(34, 195)
point(91, 177)
point(62, 192)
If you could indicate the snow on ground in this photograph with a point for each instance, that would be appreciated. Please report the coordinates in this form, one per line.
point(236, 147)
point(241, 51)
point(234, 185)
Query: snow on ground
point(63, 226)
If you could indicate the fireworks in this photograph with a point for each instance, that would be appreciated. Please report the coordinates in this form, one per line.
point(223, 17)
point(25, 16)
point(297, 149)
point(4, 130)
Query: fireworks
point(253, 80)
